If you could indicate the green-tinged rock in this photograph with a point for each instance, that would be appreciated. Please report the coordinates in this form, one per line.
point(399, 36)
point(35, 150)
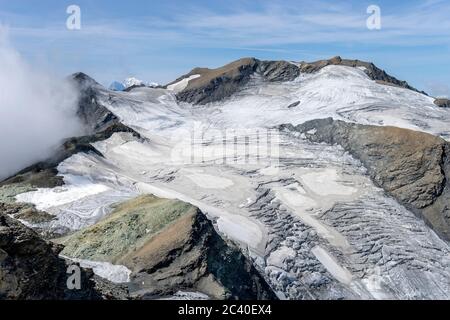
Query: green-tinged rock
point(169, 246)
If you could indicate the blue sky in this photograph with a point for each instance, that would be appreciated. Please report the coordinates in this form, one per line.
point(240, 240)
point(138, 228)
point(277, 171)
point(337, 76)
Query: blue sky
point(160, 40)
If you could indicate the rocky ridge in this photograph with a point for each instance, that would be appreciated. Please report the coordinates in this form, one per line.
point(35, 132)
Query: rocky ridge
point(369, 68)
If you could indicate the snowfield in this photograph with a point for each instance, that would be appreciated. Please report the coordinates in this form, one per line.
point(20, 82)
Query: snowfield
point(308, 214)
point(182, 84)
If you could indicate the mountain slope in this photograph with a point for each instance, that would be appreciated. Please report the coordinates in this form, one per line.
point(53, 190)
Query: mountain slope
point(312, 216)
point(369, 68)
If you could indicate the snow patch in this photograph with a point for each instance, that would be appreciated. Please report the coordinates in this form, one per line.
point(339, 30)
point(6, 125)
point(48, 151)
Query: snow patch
point(182, 84)
point(75, 188)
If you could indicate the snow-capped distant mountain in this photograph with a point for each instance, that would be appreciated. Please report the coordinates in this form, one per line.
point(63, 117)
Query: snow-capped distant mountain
point(117, 86)
point(131, 82)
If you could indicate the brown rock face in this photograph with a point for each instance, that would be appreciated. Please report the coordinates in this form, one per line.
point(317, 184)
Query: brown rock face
point(412, 166)
point(371, 70)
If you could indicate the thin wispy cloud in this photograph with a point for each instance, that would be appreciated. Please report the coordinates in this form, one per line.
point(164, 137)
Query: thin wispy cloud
point(426, 23)
point(166, 41)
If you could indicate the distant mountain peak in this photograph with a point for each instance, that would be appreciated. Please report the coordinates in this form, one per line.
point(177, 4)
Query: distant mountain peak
point(117, 86)
point(130, 83)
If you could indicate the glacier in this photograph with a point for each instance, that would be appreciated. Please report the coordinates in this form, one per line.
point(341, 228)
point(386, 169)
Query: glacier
point(307, 214)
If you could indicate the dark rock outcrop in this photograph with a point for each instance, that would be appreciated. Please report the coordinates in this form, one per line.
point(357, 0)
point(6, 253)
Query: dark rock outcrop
point(30, 268)
point(293, 105)
point(371, 70)
point(411, 166)
point(443, 103)
point(93, 115)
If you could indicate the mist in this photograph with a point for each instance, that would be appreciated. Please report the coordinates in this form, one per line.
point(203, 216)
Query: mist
point(37, 111)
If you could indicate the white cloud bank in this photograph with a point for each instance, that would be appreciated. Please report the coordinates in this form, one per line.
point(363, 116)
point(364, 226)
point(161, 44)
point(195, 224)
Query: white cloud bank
point(37, 111)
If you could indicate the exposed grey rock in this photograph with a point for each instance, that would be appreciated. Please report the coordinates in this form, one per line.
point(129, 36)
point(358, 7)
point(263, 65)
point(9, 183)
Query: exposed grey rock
point(293, 105)
point(411, 166)
point(443, 103)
